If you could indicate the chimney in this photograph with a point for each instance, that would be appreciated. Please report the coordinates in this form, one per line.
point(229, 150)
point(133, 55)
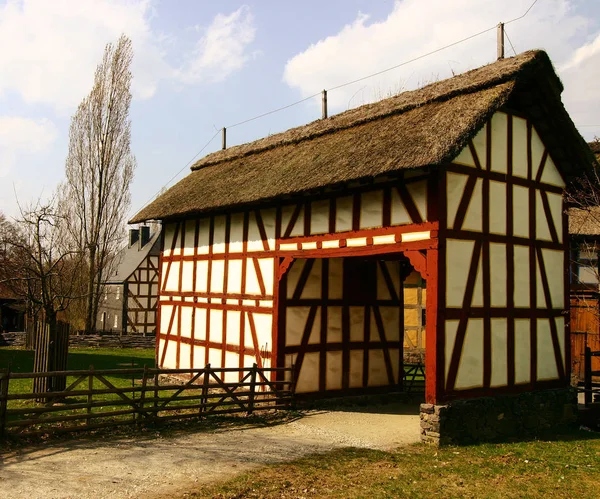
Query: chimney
point(144, 235)
point(134, 235)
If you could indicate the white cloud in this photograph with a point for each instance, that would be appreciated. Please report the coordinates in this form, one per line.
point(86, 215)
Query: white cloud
point(415, 27)
point(222, 48)
point(23, 136)
point(54, 47)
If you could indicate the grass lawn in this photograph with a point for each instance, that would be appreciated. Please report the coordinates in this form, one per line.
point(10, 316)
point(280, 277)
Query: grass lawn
point(565, 466)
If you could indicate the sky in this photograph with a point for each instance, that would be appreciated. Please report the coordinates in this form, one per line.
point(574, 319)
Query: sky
point(200, 65)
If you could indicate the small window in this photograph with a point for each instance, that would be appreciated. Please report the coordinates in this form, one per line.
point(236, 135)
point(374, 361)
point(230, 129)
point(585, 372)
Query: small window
point(116, 322)
point(587, 264)
point(118, 293)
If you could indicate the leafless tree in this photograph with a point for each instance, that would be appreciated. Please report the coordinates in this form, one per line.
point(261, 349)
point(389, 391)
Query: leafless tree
point(99, 170)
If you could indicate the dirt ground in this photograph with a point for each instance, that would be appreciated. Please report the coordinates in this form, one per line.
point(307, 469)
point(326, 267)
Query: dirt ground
point(153, 467)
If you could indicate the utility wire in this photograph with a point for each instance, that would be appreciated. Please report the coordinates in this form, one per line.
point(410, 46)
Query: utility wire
point(508, 38)
point(344, 85)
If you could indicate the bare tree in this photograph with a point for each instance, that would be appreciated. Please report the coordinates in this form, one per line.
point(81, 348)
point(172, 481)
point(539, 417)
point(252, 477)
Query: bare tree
point(99, 169)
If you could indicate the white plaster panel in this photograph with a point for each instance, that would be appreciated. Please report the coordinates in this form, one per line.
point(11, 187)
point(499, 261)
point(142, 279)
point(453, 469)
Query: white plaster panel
point(319, 217)
point(377, 371)
point(356, 368)
point(343, 214)
point(170, 355)
point(521, 293)
point(455, 186)
point(470, 370)
point(537, 151)
point(217, 276)
point(498, 273)
point(387, 239)
point(458, 260)
point(232, 359)
point(288, 247)
point(357, 324)
point(186, 322)
point(214, 357)
point(519, 147)
point(418, 193)
point(269, 221)
point(254, 238)
point(169, 232)
point(201, 275)
point(312, 288)
point(522, 351)
point(267, 271)
point(541, 222)
point(309, 245)
point(416, 236)
point(286, 215)
point(184, 356)
point(499, 353)
point(295, 320)
point(216, 325)
point(143, 290)
point(173, 277)
point(555, 202)
point(473, 218)
point(333, 373)
point(252, 285)
point(315, 333)
point(554, 264)
point(399, 215)
point(336, 278)
point(480, 144)
point(203, 236)
point(333, 243)
point(199, 356)
point(497, 207)
point(356, 241)
point(308, 378)
point(200, 324)
point(464, 157)
point(219, 234)
point(334, 324)
point(165, 318)
point(190, 237)
point(371, 209)
point(390, 316)
point(293, 275)
point(265, 303)
point(449, 340)
point(234, 276)
point(264, 329)
point(233, 327)
point(499, 148)
point(551, 175)
point(187, 277)
point(546, 363)
point(560, 328)
point(520, 211)
point(236, 233)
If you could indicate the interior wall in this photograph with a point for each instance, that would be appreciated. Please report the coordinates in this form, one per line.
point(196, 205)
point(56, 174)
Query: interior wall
point(343, 320)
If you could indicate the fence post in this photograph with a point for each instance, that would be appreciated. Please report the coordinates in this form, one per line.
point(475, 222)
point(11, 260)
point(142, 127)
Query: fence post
point(90, 397)
point(292, 388)
point(204, 395)
point(142, 394)
point(587, 376)
point(4, 382)
point(155, 402)
point(252, 388)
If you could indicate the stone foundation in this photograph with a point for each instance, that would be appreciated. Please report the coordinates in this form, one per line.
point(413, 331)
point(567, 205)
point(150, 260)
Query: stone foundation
point(497, 418)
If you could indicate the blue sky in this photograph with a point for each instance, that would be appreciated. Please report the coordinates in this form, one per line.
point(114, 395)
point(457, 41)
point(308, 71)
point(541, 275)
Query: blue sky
point(202, 65)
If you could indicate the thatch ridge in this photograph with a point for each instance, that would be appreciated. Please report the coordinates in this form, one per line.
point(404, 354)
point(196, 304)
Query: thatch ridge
point(477, 79)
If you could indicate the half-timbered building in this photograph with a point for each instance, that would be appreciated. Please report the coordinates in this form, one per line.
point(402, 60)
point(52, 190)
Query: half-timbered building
point(129, 301)
point(299, 249)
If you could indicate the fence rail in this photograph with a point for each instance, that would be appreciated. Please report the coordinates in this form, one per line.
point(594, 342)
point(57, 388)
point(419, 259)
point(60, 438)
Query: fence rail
point(91, 400)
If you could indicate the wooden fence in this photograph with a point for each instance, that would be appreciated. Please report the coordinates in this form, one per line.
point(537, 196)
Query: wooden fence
point(590, 388)
point(93, 401)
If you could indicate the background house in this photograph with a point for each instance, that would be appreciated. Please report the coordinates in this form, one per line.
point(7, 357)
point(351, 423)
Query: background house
point(128, 304)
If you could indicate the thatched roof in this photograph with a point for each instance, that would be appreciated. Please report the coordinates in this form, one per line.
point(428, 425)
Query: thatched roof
point(595, 147)
point(422, 128)
point(584, 221)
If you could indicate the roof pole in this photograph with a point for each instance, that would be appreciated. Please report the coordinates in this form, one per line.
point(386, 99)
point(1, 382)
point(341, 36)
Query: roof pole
point(500, 41)
point(224, 138)
point(324, 104)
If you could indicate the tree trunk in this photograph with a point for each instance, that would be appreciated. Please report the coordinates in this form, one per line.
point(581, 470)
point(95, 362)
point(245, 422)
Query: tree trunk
point(90, 318)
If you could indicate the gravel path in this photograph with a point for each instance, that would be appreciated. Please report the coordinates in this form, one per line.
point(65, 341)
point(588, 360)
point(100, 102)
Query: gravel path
point(157, 467)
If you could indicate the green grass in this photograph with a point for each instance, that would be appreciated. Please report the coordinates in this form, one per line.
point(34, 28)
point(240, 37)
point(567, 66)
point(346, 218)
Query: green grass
point(567, 465)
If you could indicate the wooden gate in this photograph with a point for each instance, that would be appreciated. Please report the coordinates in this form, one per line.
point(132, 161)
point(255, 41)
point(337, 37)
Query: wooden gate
point(50, 355)
point(585, 332)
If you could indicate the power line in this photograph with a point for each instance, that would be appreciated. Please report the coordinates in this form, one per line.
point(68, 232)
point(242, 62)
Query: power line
point(511, 45)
